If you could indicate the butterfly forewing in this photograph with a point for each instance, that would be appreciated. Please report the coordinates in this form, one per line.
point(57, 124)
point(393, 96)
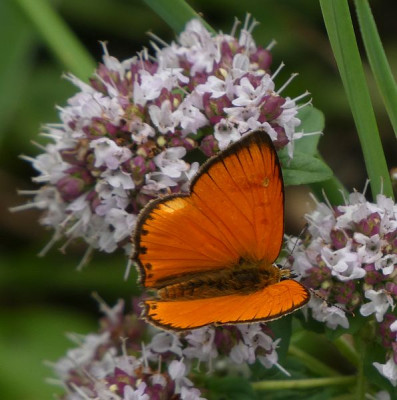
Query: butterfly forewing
point(243, 190)
point(235, 210)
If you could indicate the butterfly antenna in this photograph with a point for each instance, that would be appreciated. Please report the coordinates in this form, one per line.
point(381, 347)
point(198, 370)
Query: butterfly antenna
point(128, 269)
point(301, 233)
point(329, 304)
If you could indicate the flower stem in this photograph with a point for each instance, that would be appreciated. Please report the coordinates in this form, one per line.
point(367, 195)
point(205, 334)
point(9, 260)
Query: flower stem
point(312, 363)
point(347, 350)
point(303, 383)
point(175, 13)
point(60, 39)
point(361, 380)
point(345, 397)
point(377, 59)
point(339, 26)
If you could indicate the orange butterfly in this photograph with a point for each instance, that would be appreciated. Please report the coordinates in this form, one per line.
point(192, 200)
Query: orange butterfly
point(209, 254)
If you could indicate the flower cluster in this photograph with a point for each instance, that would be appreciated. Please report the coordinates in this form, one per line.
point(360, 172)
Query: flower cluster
point(349, 258)
point(114, 364)
point(125, 137)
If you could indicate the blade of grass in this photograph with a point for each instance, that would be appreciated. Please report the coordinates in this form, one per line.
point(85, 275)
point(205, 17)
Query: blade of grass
point(377, 59)
point(59, 38)
point(339, 26)
point(175, 13)
point(303, 383)
point(15, 62)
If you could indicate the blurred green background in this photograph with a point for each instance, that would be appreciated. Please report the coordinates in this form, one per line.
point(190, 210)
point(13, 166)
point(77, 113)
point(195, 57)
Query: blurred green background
point(42, 298)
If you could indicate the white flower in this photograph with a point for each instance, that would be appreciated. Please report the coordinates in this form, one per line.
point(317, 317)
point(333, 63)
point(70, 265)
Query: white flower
point(189, 117)
point(271, 357)
point(190, 394)
point(388, 370)
point(49, 164)
point(386, 264)
point(82, 355)
point(165, 341)
point(254, 339)
point(163, 117)
point(217, 87)
point(321, 220)
point(201, 344)
point(388, 224)
point(135, 394)
point(242, 353)
point(178, 371)
point(141, 131)
point(170, 162)
point(287, 119)
point(393, 326)
point(240, 66)
point(118, 179)
point(370, 250)
point(122, 222)
point(242, 116)
point(332, 316)
point(382, 395)
point(301, 263)
point(379, 304)
point(357, 210)
point(99, 369)
point(158, 379)
point(156, 182)
point(152, 84)
point(248, 95)
point(344, 263)
point(199, 48)
point(226, 132)
point(108, 153)
point(387, 205)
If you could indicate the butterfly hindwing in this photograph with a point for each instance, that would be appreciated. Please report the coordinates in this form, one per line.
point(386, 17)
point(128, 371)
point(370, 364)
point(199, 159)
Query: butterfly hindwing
point(266, 304)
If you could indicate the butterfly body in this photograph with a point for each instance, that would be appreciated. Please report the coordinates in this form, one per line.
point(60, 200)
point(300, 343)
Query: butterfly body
point(209, 255)
point(241, 279)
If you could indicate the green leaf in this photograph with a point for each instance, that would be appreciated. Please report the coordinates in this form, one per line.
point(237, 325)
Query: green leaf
point(303, 169)
point(312, 120)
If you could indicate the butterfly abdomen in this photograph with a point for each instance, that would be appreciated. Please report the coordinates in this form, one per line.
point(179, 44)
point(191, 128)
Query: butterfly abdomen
point(242, 280)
